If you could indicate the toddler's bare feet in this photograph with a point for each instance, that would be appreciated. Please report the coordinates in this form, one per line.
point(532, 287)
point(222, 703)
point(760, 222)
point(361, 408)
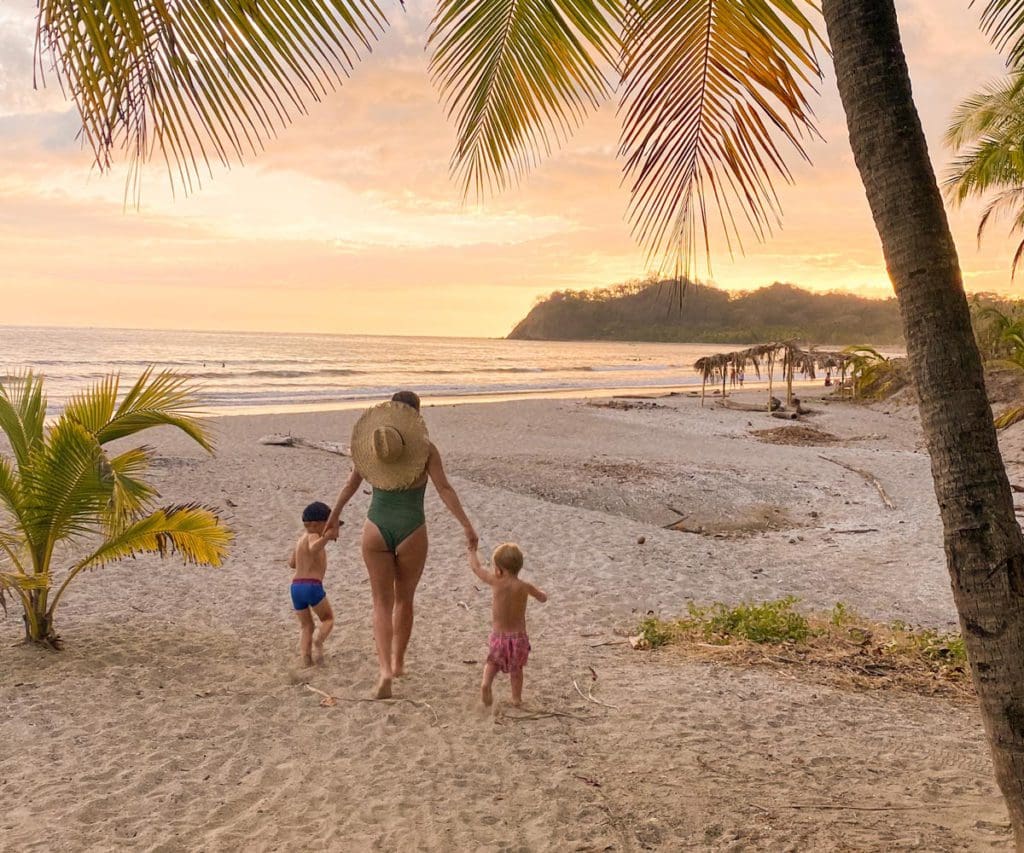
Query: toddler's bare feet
point(486, 695)
point(383, 689)
point(318, 650)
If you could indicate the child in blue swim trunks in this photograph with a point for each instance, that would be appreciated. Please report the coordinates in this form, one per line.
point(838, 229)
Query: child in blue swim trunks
point(309, 560)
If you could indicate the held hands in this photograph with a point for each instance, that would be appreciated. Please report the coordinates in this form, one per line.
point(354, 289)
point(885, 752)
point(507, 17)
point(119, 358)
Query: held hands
point(472, 540)
point(333, 531)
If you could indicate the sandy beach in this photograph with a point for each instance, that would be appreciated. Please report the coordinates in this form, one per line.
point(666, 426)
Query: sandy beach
point(176, 717)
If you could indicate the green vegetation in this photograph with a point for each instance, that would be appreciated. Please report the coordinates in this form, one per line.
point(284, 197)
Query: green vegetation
point(986, 132)
point(650, 311)
point(999, 329)
point(67, 502)
point(875, 376)
point(838, 642)
point(767, 622)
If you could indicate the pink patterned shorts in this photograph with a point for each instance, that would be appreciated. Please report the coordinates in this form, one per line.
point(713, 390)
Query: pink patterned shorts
point(508, 652)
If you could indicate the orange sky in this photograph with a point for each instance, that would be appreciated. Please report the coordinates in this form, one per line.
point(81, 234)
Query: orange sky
point(349, 222)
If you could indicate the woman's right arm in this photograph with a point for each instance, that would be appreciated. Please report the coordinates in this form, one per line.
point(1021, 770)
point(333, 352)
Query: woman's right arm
point(355, 480)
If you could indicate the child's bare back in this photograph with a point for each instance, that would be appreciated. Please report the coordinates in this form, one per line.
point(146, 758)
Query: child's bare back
point(309, 558)
point(509, 643)
point(508, 603)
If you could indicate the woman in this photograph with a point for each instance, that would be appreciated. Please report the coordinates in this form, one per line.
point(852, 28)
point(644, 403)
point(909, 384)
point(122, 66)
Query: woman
point(392, 451)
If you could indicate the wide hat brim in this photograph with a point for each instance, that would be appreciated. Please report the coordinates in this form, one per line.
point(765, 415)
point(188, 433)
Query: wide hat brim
point(410, 465)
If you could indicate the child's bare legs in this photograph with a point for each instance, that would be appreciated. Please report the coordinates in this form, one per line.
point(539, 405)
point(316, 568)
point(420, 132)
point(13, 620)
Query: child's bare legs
point(325, 614)
point(486, 693)
point(516, 678)
point(305, 618)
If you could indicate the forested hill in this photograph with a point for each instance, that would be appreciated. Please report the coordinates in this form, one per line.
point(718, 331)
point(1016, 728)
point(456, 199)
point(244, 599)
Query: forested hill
point(650, 311)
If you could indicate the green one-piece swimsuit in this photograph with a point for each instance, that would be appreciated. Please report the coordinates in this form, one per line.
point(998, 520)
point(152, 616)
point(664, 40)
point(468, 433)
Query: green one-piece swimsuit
point(397, 513)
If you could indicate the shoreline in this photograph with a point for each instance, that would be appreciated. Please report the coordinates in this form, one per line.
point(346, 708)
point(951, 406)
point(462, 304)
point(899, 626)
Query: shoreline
point(654, 391)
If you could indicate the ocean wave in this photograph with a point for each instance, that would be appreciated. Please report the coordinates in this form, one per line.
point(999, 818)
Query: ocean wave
point(228, 373)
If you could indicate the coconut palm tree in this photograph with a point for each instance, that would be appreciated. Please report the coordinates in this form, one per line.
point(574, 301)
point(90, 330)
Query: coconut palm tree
point(714, 96)
point(68, 503)
point(987, 131)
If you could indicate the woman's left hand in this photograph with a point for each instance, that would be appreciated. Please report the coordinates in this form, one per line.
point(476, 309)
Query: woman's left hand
point(472, 540)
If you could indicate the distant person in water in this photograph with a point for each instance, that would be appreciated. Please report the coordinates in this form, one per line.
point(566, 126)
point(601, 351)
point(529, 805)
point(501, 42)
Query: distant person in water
point(309, 561)
point(392, 451)
point(509, 644)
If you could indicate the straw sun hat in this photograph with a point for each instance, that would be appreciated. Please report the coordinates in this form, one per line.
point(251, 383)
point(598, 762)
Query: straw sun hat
point(390, 446)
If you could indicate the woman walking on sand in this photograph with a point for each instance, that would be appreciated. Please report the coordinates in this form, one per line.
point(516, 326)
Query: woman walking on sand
point(392, 451)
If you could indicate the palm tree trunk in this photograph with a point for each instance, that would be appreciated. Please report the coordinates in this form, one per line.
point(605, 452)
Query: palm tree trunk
point(983, 542)
point(38, 624)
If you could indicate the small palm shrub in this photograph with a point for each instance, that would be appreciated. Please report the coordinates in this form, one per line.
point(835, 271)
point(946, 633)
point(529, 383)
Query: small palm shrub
point(874, 375)
point(68, 503)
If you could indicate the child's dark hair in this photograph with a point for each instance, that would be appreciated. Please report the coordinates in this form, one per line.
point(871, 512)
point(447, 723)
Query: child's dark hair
point(316, 511)
point(508, 558)
point(410, 398)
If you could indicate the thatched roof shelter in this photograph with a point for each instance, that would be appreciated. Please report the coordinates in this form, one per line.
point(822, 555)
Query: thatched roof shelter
point(731, 366)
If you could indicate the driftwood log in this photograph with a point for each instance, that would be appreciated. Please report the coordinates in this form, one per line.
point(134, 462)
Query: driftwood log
point(748, 407)
point(786, 416)
point(280, 440)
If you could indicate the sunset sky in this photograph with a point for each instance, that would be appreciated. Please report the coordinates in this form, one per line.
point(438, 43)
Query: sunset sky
point(348, 222)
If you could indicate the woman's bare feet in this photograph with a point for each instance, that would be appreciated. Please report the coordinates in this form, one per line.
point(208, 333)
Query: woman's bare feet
point(383, 689)
point(307, 661)
point(397, 669)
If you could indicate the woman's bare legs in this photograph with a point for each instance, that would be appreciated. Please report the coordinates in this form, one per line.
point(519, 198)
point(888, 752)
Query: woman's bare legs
point(410, 560)
point(382, 570)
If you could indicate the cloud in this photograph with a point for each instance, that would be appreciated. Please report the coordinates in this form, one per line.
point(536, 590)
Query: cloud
point(351, 221)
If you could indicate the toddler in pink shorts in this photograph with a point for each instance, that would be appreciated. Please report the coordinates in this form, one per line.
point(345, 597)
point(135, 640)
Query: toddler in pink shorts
point(509, 643)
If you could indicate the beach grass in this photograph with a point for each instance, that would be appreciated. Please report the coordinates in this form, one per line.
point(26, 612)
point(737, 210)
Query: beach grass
point(838, 646)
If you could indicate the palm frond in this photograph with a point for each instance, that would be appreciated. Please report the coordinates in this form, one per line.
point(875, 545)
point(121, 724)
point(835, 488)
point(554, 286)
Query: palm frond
point(198, 80)
point(23, 413)
point(990, 164)
point(11, 548)
point(191, 531)
point(131, 496)
point(1003, 22)
point(994, 109)
point(12, 498)
point(713, 89)
point(20, 585)
point(155, 399)
point(66, 490)
point(1011, 416)
point(519, 76)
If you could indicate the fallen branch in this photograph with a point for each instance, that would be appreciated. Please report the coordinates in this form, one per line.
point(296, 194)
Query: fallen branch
point(541, 715)
point(589, 696)
point(622, 642)
point(842, 807)
point(857, 530)
point(871, 478)
point(279, 440)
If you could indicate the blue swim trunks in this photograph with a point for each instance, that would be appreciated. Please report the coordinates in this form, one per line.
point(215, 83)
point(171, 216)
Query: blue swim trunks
point(307, 592)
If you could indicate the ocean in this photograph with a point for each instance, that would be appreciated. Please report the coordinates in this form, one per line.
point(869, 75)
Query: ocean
point(249, 373)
